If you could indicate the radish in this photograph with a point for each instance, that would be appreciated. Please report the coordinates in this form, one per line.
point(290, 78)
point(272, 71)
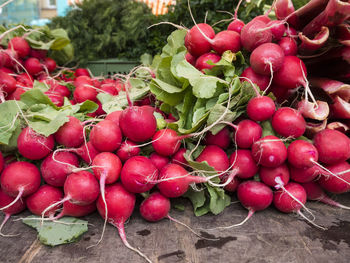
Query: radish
point(7, 83)
point(302, 154)
point(114, 116)
point(195, 42)
point(268, 175)
point(166, 142)
point(45, 196)
point(15, 208)
point(106, 136)
point(203, 61)
point(337, 178)
point(134, 117)
point(178, 157)
point(260, 80)
point(288, 122)
point(247, 132)
point(277, 29)
point(269, 151)
point(20, 46)
point(254, 34)
point(57, 166)
point(120, 204)
point(267, 58)
point(260, 108)
point(236, 24)
point(2, 162)
point(33, 66)
point(87, 152)
point(221, 139)
point(304, 175)
point(70, 209)
point(289, 46)
point(315, 192)
point(155, 207)
point(84, 89)
point(231, 186)
point(254, 196)
point(50, 64)
point(33, 145)
point(138, 174)
point(127, 150)
point(159, 161)
point(215, 157)
point(332, 146)
point(243, 164)
point(19, 179)
point(81, 72)
point(71, 133)
point(38, 53)
point(190, 59)
point(292, 73)
point(226, 40)
point(175, 180)
point(55, 97)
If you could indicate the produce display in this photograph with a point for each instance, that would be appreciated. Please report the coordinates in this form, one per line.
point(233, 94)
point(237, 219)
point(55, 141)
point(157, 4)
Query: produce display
point(259, 112)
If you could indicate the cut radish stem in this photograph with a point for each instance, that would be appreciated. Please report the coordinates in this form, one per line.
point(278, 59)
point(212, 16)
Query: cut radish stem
point(315, 193)
point(120, 204)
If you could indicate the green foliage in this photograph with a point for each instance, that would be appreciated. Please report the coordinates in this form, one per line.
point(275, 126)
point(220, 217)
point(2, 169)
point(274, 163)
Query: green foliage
point(101, 29)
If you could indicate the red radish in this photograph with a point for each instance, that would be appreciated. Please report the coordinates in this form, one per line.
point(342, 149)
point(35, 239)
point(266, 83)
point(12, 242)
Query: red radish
point(203, 61)
point(268, 175)
point(243, 164)
point(159, 161)
point(7, 83)
point(16, 95)
point(336, 184)
point(25, 79)
point(106, 167)
point(232, 186)
point(114, 116)
point(247, 132)
point(127, 150)
point(195, 42)
point(302, 154)
point(226, 40)
point(71, 133)
point(155, 207)
point(81, 72)
point(57, 166)
point(291, 32)
point(215, 157)
point(221, 139)
point(254, 34)
point(267, 58)
point(33, 66)
point(315, 192)
point(236, 25)
point(292, 73)
point(109, 88)
point(84, 89)
point(260, 108)
point(289, 46)
point(166, 142)
point(254, 196)
point(288, 122)
point(70, 209)
point(120, 205)
point(34, 146)
point(138, 174)
point(55, 97)
point(260, 80)
point(19, 179)
point(50, 64)
point(264, 18)
point(45, 196)
point(269, 151)
point(304, 175)
point(190, 59)
point(175, 180)
point(332, 146)
point(106, 136)
point(38, 53)
point(178, 157)
point(134, 117)
point(15, 208)
point(277, 29)
point(20, 46)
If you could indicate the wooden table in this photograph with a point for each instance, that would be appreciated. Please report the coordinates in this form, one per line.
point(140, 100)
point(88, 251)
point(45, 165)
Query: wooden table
point(269, 236)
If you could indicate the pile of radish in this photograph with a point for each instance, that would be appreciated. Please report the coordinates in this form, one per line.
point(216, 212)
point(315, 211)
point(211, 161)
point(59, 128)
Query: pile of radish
point(111, 157)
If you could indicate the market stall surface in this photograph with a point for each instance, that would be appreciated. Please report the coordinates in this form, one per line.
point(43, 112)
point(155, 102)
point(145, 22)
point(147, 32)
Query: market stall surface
point(269, 236)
